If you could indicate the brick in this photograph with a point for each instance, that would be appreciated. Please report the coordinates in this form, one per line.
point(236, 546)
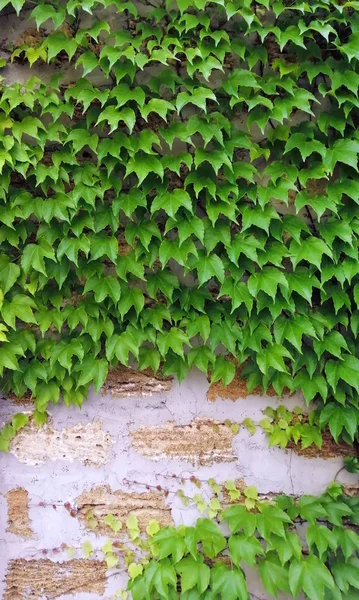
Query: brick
point(126, 382)
point(18, 512)
point(87, 443)
point(203, 442)
point(101, 501)
point(35, 579)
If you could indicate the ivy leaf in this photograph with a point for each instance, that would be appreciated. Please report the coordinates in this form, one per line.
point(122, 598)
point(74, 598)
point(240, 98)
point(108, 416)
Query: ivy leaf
point(95, 370)
point(33, 257)
point(58, 42)
point(170, 202)
point(345, 151)
point(200, 357)
point(312, 576)
point(274, 577)
point(194, 573)
point(19, 308)
point(208, 267)
point(43, 12)
point(230, 582)
point(238, 293)
point(339, 417)
point(143, 165)
point(210, 537)
point(102, 245)
point(224, 370)
point(19, 421)
point(133, 298)
point(87, 549)
point(198, 97)
point(64, 352)
point(243, 548)
point(175, 338)
point(268, 281)
point(305, 146)
point(17, 4)
point(121, 346)
point(272, 356)
point(9, 273)
point(311, 250)
point(201, 325)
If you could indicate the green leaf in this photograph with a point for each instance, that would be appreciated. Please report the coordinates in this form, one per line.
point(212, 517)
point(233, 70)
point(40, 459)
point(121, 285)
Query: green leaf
point(17, 4)
point(224, 370)
point(311, 250)
point(175, 338)
point(87, 549)
point(209, 535)
point(312, 576)
point(19, 421)
point(229, 582)
point(9, 273)
point(194, 573)
point(58, 42)
point(33, 257)
point(274, 577)
point(19, 308)
point(243, 548)
point(170, 202)
point(93, 370)
point(208, 267)
point(268, 281)
point(143, 165)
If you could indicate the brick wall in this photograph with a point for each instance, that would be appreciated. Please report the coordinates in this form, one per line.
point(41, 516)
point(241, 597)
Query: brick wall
point(130, 455)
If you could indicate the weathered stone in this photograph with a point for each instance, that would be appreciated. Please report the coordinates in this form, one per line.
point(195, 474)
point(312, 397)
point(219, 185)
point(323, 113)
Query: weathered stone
point(35, 579)
point(18, 512)
point(203, 442)
point(87, 443)
point(124, 381)
point(101, 501)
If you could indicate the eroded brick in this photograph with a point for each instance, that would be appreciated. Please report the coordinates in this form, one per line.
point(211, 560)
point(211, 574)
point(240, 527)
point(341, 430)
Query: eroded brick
point(203, 442)
point(237, 389)
point(330, 448)
point(100, 501)
point(35, 579)
point(88, 443)
point(18, 512)
point(124, 381)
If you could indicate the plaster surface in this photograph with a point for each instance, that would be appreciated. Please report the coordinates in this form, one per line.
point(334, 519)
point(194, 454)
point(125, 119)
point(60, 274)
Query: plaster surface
point(56, 481)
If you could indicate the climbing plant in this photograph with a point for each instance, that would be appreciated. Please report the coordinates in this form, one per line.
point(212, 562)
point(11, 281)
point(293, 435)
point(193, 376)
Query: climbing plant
point(306, 546)
point(179, 186)
point(205, 562)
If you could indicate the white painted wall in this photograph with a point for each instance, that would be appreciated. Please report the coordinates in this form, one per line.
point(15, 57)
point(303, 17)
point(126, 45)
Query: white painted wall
point(55, 482)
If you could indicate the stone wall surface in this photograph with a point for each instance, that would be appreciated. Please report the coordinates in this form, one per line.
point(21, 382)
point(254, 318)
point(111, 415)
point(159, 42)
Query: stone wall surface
point(119, 455)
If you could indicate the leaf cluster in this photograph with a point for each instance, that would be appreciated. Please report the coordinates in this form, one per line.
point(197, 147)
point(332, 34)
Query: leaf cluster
point(202, 561)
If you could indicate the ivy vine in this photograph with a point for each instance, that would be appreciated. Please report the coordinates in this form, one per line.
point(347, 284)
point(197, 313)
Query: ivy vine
point(306, 546)
point(183, 190)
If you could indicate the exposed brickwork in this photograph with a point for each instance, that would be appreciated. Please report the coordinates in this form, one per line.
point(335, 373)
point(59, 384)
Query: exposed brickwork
point(101, 501)
point(87, 443)
point(35, 579)
point(240, 486)
point(123, 382)
point(329, 449)
point(235, 390)
point(203, 442)
point(351, 490)
point(18, 512)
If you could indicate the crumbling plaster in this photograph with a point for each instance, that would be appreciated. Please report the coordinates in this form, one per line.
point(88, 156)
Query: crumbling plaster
point(54, 483)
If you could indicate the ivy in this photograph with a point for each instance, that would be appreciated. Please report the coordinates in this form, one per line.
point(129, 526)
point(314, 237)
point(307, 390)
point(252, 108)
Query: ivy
point(210, 559)
point(190, 187)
